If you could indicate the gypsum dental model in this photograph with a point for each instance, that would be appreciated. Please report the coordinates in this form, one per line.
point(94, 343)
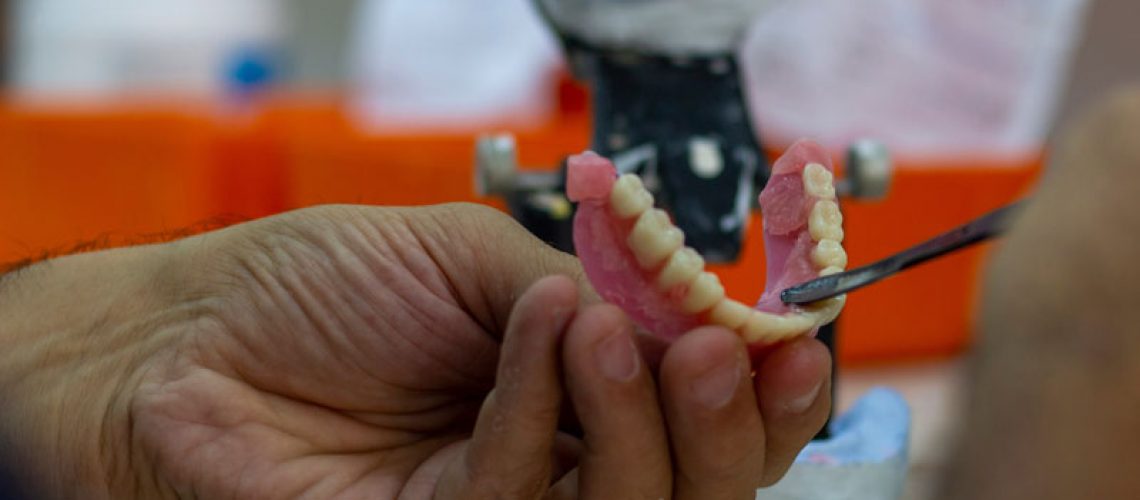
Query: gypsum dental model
point(636, 258)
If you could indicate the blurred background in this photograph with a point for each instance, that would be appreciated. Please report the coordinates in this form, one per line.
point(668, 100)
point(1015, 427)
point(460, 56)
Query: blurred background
point(125, 119)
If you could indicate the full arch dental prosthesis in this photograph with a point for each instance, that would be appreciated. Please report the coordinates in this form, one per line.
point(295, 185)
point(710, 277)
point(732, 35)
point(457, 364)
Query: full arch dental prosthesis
point(636, 257)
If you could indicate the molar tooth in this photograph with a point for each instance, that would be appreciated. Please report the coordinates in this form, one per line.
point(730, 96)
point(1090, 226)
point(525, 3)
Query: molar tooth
point(829, 253)
point(629, 198)
point(819, 182)
point(653, 238)
point(768, 326)
point(704, 292)
point(682, 267)
point(730, 314)
point(826, 221)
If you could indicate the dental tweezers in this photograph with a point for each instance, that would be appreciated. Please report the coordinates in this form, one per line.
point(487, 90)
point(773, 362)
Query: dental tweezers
point(976, 231)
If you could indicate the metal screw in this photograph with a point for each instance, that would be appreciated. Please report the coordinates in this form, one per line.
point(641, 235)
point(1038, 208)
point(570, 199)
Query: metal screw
point(705, 158)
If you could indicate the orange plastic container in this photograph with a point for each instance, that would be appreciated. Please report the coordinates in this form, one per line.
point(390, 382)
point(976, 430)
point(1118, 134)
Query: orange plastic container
point(107, 176)
point(328, 159)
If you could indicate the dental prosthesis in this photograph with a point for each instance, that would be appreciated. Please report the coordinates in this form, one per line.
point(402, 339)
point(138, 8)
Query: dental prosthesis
point(636, 258)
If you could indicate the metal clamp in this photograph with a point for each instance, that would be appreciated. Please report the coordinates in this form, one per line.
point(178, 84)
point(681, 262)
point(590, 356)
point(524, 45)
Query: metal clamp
point(497, 169)
point(869, 171)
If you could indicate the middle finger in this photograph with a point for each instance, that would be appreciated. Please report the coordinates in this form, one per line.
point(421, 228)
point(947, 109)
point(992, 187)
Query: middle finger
point(713, 419)
point(626, 452)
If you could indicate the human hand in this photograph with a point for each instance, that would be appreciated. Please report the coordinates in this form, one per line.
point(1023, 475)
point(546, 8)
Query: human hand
point(381, 353)
point(1052, 412)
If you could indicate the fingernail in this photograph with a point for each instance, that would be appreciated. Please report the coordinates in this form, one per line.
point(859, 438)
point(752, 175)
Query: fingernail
point(802, 403)
point(617, 357)
point(715, 388)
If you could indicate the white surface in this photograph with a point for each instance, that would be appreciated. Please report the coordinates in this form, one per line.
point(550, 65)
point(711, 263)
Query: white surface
point(850, 482)
point(84, 49)
point(930, 77)
point(659, 26)
point(452, 63)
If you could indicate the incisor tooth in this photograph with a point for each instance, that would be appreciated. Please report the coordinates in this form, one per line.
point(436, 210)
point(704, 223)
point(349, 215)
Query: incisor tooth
point(770, 327)
point(730, 314)
point(819, 182)
point(829, 253)
point(825, 221)
point(653, 238)
point(683, 266)
point(704, 292)
point(629, 198)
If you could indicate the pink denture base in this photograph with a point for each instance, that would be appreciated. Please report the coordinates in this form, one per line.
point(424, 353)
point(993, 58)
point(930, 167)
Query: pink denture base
point(600, 241)
point(785, 206)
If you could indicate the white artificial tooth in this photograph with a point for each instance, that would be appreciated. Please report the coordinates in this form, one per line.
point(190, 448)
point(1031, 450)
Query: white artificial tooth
point(819, 182)
point(682, 267)
point(829, 253)
point(730, 314)
point(829, 309)
point(826, 221)
point(704, 292)
point(653, 238)
point(830, 270)
point(771, 327)
point(824, 311)
point(629, 198)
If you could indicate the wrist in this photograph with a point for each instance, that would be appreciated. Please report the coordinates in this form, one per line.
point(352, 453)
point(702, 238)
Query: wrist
point(78, 332)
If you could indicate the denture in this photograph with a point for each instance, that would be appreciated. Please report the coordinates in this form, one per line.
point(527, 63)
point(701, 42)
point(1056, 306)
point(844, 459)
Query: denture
point(636, 258)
